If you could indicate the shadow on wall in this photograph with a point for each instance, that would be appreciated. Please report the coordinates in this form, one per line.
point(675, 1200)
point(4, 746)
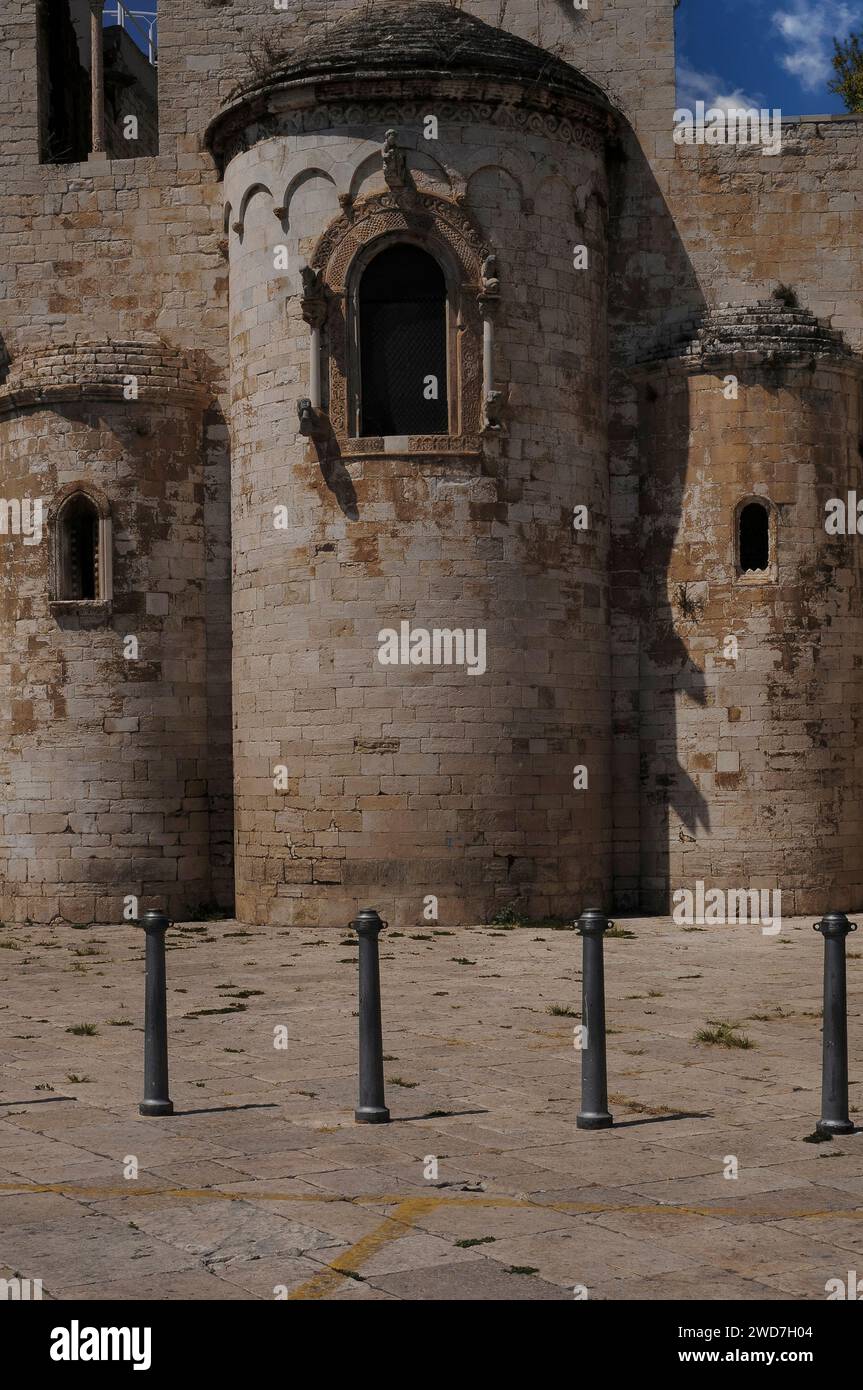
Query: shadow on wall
point(653, 293)
point(220, 761)
point(335, 475)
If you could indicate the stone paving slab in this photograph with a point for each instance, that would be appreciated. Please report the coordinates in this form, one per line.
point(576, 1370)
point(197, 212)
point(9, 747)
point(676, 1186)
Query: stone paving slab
point(261, 1186)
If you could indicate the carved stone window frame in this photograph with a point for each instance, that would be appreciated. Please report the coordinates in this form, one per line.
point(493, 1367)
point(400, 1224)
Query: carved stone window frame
point(60, 604)
point(443, 230)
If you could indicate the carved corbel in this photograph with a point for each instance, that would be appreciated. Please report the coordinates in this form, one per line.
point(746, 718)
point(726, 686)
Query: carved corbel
point(312, 421)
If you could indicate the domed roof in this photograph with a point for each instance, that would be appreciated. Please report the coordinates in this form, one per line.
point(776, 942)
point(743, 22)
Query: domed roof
point(432, 37)
point(398, 40)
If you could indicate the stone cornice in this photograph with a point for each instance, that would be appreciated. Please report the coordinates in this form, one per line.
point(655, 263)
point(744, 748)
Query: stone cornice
point(302, 107)
point(100, 371)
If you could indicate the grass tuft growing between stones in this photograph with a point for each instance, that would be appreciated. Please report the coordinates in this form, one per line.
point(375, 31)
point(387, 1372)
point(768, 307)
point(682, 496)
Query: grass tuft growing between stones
point(83, 1030)
point(723, 1034)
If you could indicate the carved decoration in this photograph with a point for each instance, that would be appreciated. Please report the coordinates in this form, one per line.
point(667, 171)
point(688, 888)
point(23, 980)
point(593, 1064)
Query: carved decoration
point(313, 304)
point(584, 125)
point(494, 403)
point(396, 174)
point(489, 276)
point(489, 295)
point(306, 416)
point(312, 423)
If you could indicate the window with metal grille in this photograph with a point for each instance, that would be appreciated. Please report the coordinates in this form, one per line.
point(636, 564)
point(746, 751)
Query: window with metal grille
point(754, 537)
point(79, 549)
point(403, 345)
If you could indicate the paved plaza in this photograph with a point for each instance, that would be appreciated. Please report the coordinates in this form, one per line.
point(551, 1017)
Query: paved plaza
point(261, 1185)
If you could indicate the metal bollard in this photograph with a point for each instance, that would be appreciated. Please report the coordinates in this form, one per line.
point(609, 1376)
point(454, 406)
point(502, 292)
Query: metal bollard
point(594, 1112)
point(156, 1100)
point(372, 1108)
point(834, 927)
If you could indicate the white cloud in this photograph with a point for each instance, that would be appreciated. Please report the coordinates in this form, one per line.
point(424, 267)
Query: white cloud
point(693, 86)
point(807, 29)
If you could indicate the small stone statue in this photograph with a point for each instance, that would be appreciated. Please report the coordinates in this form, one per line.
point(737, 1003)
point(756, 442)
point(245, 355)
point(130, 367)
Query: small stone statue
point(312, 282)
point(395, 164)
point(489, 277)
point(307, 416)
point(493, 409)
point(313, 303)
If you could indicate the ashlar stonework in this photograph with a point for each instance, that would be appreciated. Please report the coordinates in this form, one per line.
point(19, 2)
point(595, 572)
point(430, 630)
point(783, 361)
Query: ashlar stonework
point(640, 340)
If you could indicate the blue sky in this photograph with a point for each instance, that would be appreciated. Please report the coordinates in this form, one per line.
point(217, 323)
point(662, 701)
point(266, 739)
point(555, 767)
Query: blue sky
point(762, 52)
point(146, 8)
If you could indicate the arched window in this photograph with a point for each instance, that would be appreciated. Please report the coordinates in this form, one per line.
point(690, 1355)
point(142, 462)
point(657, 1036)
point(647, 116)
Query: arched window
point(403, 345)
point(79, 549)
point(753, 538)
point(82, 548)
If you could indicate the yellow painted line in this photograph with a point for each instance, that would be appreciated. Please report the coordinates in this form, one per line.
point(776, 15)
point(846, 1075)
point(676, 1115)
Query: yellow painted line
point(392, 1228)
point(435, 1198)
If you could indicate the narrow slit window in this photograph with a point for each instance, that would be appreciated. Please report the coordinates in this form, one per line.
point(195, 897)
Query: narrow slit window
point(79, 550)
point(754, 538)
point(403, 345)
